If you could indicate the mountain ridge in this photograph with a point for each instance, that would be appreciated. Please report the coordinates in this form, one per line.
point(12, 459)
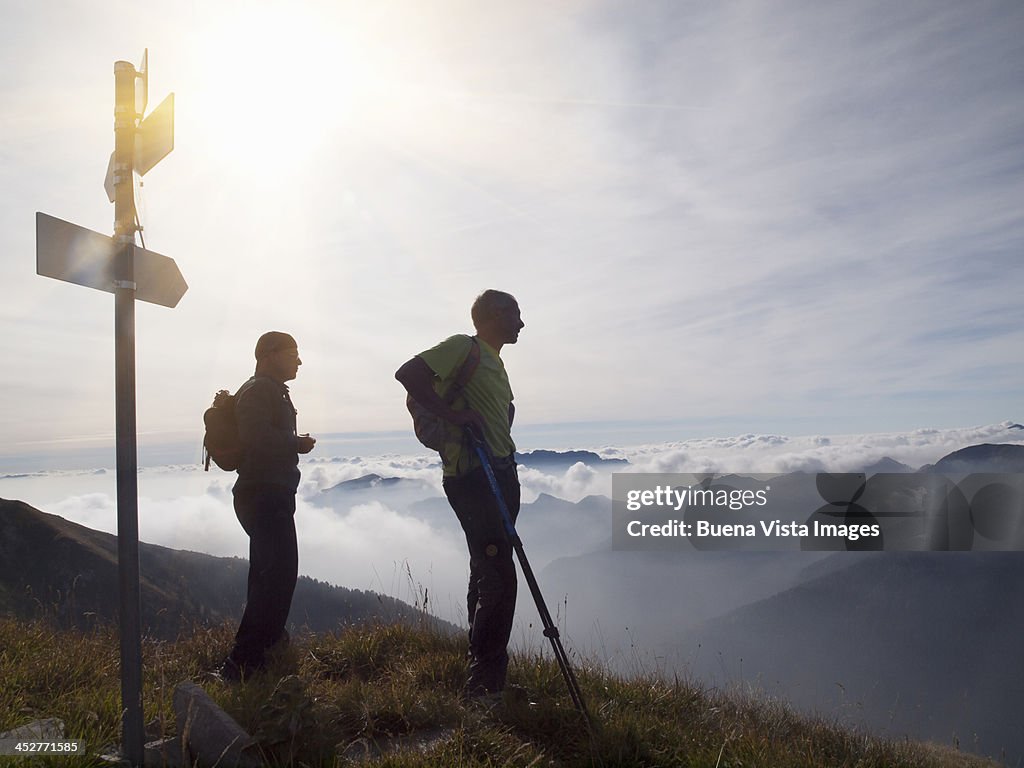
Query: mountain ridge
point(53, 566)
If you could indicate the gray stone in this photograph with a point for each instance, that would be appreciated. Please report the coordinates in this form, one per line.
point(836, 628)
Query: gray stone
point(363, 750)
point(50, 729)
point(211, 735)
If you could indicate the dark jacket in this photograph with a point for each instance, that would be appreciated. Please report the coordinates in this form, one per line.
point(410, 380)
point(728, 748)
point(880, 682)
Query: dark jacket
point(266, 428)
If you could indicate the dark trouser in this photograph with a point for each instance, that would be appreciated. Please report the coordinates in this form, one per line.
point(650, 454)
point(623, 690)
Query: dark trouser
point(491, 598)
point(267, 513)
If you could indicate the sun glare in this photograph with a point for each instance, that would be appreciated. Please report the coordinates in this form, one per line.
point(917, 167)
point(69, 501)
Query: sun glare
point(277, 80)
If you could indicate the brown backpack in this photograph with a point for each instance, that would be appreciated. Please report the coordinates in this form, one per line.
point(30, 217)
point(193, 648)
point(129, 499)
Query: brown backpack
point(221, 442)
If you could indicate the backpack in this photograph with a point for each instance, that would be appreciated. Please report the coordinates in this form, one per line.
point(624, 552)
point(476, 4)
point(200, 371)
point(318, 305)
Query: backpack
point(221, 442)
point(431, 429)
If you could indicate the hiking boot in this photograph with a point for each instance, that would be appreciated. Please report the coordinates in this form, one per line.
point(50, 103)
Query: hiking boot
point(230, 671)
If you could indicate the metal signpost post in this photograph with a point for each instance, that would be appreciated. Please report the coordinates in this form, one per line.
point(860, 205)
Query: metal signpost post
point(68, 252)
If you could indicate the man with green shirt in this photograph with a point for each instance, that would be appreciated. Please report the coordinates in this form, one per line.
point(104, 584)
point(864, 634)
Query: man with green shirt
point(485, 406)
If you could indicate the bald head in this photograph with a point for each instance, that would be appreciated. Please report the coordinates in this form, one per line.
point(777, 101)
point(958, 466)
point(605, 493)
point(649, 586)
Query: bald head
point(496, 318)
point(489, 304)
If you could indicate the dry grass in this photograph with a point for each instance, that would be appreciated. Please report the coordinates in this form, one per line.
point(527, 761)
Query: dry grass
point(366, 686)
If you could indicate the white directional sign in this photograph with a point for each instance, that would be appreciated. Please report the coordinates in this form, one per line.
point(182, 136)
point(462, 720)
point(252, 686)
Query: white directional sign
point(155, 138)
point(66, 251)
point(142, 84)
point(108, 181)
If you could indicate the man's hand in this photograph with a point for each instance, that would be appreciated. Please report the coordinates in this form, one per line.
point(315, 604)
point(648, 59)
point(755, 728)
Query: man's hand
point(418, 380)
point(306, 443)
point(468, 418)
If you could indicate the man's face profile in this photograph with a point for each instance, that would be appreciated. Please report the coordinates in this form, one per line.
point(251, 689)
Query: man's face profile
point(284, 363)
point(508, 321)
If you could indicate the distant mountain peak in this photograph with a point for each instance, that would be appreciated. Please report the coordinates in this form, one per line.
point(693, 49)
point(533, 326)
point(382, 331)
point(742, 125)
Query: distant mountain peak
point(544, 458)
point(366, 482)
point(886, 465)
point(987, 457)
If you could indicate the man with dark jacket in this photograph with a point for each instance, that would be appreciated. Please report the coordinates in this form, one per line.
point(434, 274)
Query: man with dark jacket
point(264, 498)
point(485, 406)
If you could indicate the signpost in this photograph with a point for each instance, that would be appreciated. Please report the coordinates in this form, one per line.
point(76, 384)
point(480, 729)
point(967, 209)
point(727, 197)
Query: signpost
point(65, 251)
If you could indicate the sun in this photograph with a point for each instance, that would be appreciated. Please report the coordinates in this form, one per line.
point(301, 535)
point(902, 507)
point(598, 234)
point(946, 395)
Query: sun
point(278, 79)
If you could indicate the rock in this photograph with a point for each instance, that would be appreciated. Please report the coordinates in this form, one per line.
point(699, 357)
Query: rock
point(50, 729)
point(211, 734)
point(363, 750)
point(154, 729)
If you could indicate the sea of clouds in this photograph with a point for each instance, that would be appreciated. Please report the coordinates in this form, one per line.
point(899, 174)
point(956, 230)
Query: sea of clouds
point(400, 538)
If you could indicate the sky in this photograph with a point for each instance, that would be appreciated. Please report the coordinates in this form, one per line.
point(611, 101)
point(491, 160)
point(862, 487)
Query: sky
point(727, 218)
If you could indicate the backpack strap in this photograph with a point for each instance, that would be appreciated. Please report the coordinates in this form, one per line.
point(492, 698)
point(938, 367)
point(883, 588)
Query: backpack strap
point(469, 366)
point(466, 372)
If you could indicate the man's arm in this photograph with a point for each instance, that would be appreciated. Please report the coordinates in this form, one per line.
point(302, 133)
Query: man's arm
point(418, 379)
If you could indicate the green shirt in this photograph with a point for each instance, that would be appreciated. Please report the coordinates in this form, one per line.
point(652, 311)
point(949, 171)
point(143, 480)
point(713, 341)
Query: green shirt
point(487, 392)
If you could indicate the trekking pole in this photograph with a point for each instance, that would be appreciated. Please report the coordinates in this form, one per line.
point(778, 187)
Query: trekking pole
point(550, 630)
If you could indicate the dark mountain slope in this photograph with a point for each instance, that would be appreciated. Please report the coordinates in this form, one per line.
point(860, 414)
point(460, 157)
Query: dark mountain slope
point(919, 643)
point(54, 567)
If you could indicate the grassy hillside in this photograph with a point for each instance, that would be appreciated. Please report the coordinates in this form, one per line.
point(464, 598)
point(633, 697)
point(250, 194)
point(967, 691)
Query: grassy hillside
point(392, 684)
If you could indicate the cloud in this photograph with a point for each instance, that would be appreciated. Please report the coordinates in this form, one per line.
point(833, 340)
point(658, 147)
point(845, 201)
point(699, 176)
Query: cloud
point(204, 523)
point(836, 453)
point(93, 510)
point(320, 474)
point(575, 483)
point(403, 540)
point(373, 547)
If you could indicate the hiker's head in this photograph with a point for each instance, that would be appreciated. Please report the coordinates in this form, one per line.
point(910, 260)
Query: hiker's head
point(277, 356)
point(496, 317)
